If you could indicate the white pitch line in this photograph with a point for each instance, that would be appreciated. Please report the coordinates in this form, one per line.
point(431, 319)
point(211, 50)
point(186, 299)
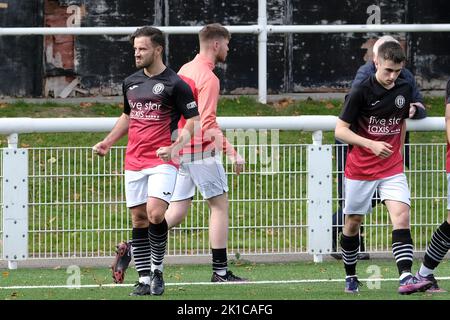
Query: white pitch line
point(180, 284)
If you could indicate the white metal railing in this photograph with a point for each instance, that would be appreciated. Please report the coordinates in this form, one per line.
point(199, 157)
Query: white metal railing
point(244, 29)
point(262, 29)
point(76, 203)
point(303, 123)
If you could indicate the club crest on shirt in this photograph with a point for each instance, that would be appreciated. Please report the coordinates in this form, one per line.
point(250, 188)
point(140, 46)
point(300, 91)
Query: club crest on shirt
point(400, 101)
point(158, 88)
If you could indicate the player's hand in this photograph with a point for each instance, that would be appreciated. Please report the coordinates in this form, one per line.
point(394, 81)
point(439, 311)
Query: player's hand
point(101, 148)
point(238, 164)
point(164, 153)
point(412, 110)
point(381, 149)
point(413, 107)
point(417, 104)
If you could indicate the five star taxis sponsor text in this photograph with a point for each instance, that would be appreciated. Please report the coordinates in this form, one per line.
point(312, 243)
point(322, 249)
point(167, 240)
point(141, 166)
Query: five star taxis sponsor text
point(383, 126)
point(386, 126)
point(140, 110)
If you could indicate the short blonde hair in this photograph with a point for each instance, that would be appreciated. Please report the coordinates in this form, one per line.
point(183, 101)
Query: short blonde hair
point(380, 41)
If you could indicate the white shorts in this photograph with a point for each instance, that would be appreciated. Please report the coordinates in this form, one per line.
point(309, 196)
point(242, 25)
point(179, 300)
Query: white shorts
point(208, 175)
point(358, 193)
point(157, 182)
point(448, 191)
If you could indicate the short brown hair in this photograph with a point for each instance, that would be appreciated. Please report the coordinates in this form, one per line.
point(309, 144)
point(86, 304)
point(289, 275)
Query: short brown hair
point(156, 36)
point(213, 31)
point(392, 51)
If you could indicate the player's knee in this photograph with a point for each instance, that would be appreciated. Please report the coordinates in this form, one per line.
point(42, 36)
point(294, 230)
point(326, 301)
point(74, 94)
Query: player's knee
point(219, 213)
point(352, 224)
point(155, 216)
point(402, 220)
point(139, 219)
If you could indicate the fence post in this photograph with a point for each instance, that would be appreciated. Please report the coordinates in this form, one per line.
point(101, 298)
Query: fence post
point(13, 140)
point(262, 51)
point(319, 198)
point(15, 202)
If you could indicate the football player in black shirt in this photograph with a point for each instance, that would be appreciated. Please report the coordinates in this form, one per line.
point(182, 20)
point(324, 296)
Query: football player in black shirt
point(373, 123)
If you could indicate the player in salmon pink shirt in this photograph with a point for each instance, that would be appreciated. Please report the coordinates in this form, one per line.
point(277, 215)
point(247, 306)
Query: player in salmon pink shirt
point(201, 165)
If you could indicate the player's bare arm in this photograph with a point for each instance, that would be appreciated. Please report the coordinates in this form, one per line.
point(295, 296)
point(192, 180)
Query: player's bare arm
point(379, 148)
point(119, 130)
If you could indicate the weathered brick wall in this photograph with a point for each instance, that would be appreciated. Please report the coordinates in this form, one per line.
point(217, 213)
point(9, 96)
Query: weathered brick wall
point(59, 62)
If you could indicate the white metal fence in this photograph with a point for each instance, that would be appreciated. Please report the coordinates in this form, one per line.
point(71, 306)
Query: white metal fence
point(77, 205)
point(427, 181)
point(76, 202)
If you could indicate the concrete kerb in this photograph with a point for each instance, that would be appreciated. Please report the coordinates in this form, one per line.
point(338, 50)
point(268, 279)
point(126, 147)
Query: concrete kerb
point(183, 260)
